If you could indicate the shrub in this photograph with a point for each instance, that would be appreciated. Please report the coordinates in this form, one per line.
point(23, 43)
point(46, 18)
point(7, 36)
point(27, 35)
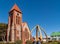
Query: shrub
point(29, 42)
point(19, 42)
point(58, 42)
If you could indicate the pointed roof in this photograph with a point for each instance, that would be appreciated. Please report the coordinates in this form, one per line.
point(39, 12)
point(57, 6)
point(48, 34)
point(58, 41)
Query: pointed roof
point(15, 7)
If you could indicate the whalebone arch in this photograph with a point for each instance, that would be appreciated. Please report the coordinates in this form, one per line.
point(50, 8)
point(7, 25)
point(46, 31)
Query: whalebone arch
point(38, 30)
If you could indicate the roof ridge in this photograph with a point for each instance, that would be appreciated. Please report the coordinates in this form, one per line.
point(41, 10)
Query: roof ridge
point(15, 7)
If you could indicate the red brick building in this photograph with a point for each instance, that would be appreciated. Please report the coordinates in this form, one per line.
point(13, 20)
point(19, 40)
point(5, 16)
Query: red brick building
point(17, 30)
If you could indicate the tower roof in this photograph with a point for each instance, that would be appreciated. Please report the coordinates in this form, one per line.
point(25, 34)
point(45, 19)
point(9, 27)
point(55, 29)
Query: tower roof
point(15, 7)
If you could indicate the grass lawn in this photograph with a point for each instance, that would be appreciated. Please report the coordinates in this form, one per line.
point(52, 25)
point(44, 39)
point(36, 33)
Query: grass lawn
point(52, 43)
point(42, 43)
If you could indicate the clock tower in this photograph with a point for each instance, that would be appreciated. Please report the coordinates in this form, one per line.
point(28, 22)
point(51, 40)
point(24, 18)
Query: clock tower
point(14, 24)
point(17, 30)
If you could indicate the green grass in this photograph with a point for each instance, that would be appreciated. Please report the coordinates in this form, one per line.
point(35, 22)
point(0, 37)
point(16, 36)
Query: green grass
point(52, 43)
point(42, 43)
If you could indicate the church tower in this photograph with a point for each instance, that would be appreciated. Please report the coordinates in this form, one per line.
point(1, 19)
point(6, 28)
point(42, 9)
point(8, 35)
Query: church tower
point(14, 24)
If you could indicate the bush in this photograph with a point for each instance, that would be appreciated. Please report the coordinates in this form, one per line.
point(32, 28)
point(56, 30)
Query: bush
point(58, 42)
point(1, 42)
point(29, 42)
point(19, 42)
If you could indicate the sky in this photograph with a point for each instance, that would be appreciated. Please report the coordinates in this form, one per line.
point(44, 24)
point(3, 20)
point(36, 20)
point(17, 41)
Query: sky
point(45, 13)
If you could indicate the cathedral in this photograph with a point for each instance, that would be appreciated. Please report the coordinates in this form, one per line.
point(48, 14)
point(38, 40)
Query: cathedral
point(17, 30)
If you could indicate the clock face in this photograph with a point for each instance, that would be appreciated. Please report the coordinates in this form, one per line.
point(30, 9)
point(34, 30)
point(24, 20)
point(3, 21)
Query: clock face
point(18, 14)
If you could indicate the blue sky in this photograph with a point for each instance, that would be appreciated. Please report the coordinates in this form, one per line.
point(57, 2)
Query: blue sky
point(46, 13)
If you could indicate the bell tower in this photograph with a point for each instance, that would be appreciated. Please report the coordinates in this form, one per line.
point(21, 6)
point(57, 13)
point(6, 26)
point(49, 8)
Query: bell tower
point(14, 24)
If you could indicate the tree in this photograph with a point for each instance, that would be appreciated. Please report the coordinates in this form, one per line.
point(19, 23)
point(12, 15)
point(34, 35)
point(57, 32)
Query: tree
point(3, 27)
